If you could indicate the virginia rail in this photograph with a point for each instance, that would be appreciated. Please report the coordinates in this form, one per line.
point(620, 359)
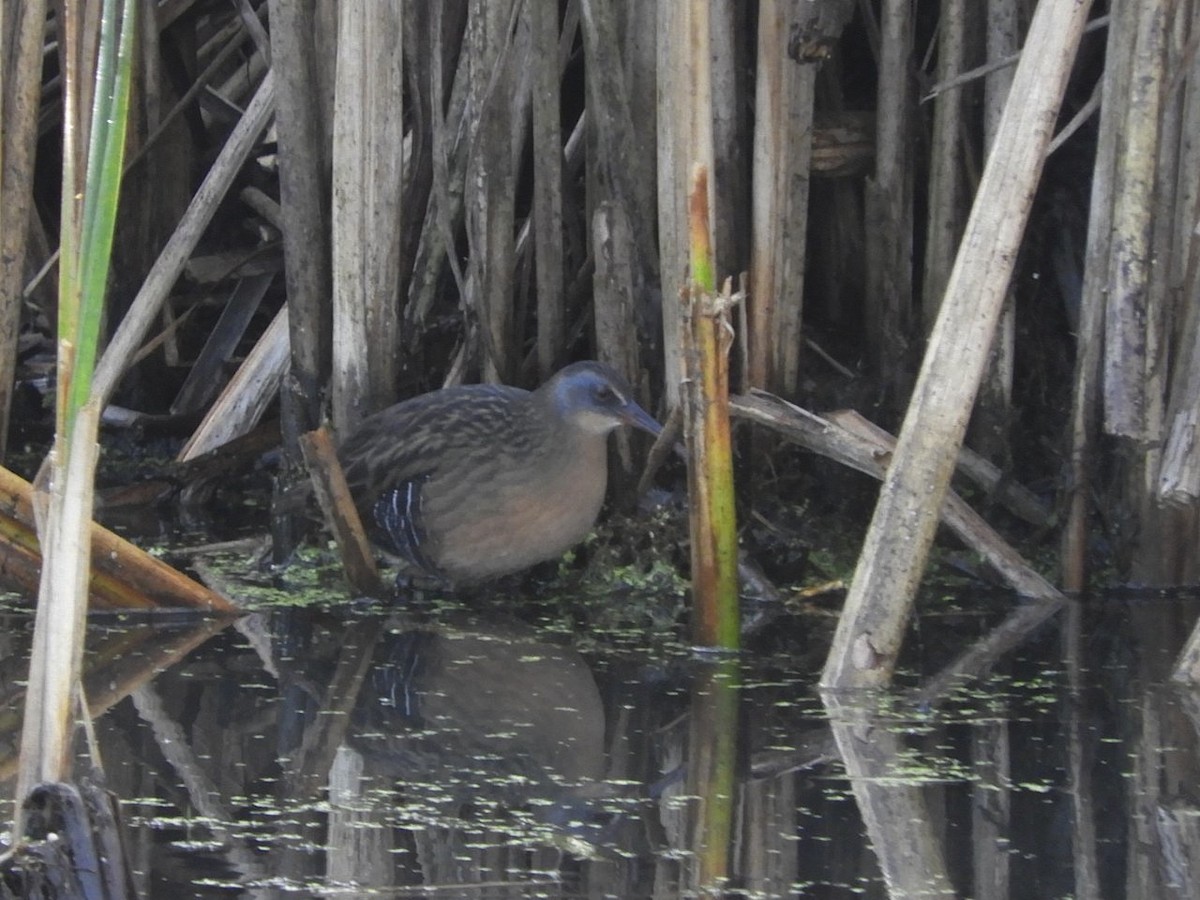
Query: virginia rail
point(477, 481)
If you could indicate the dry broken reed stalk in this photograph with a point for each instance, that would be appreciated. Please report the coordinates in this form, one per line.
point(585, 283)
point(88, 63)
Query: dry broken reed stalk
point(706, 337)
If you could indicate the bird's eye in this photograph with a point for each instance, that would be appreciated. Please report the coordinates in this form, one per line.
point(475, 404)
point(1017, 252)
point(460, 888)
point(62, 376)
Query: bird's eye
point(605, 394)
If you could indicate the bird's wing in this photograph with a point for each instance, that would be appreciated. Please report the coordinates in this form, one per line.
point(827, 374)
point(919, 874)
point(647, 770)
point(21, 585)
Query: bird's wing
point(386, 460)
point(393, 453)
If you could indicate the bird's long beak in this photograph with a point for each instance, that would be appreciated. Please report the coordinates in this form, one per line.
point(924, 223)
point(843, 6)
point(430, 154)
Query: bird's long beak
point(634, 415)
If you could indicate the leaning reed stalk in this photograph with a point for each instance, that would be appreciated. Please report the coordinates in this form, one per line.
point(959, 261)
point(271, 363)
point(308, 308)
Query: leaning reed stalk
point(89, 214)
point(871, 628)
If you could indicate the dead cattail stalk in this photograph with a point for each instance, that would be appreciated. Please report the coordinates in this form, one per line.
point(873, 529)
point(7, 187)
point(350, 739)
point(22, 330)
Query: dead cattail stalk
point(888, 202)
point(684, 137)
point(368, 141)
point(547, 186)
point(20, 90)
point(945, 164)
point(1086, 391)
point(783, 125)
point(303, 134)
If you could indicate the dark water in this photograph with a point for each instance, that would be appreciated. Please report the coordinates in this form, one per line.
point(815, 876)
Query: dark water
point(451, 752)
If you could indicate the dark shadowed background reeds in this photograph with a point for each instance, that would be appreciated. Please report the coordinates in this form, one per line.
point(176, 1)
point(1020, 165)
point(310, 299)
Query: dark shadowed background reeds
point(330, 206)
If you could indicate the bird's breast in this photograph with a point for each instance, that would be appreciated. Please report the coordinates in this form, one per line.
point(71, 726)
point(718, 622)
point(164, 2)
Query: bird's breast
point(511, 517)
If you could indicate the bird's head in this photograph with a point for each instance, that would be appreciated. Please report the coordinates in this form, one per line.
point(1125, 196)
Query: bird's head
point(595, 398)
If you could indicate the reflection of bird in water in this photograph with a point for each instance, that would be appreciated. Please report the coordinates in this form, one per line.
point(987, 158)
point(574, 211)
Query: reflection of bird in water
point(489, 723)
point(472, 482)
